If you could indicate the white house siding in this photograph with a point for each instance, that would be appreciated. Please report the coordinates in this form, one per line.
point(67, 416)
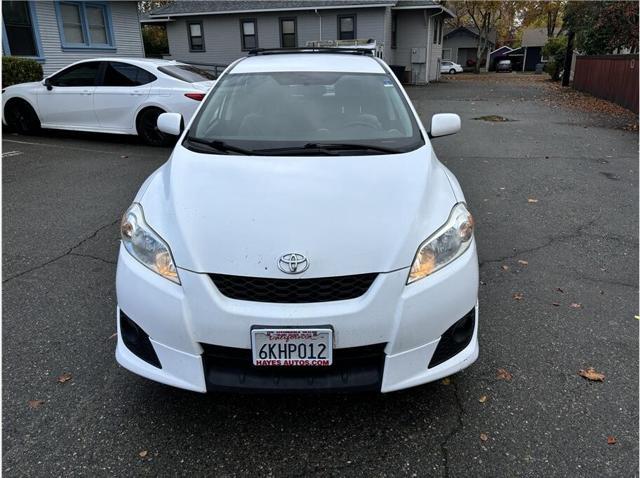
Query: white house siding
point(436, 51)
point(126, 30)
point(222, 36)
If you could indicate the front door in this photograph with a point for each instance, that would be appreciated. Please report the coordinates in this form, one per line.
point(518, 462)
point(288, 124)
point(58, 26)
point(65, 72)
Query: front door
point(69, 102)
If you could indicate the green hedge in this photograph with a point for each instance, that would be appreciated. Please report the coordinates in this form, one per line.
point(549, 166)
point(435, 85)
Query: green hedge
point(19, 70)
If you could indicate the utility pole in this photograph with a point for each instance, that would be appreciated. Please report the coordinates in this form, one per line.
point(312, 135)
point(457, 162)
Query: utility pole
point(568, 56)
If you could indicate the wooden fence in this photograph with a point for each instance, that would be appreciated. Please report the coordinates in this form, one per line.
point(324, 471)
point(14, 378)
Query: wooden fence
point(611, 77)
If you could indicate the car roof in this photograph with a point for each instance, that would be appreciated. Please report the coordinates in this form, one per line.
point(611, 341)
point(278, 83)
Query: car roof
point(136, 61)
point(332, 62)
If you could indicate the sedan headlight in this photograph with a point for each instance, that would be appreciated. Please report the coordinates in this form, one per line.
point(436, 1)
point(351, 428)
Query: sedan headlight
point(445, 245)
point(145, 245)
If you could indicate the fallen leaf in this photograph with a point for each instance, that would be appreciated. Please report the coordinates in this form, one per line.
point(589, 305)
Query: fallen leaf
point(482, 399)
point(112, 336)
point(637, 317)
point(524, 263)
point(611, 440)
point(124, 156)
point(484, 437)
point(65, 377)
point(532, 200)
point(35, 403)
point(143, 453)
point(446, 381)
point(518, 295)
point(591, 374)
point(559, 290)
point(504, 374)
point(556, 304)
point(575, 305)
point(504, 268)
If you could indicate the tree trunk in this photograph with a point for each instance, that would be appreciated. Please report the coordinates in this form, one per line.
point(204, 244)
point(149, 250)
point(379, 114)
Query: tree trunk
point(568, 56)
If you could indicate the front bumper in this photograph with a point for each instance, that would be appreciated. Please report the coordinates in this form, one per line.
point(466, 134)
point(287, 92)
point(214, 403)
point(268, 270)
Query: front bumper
point(184, 323)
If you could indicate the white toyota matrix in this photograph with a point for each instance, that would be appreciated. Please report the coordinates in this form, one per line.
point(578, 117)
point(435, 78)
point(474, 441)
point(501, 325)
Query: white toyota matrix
point(303, 236)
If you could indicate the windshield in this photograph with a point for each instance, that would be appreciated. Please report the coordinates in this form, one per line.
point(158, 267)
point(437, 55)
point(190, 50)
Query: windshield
point(264, 113)
point(187, 73)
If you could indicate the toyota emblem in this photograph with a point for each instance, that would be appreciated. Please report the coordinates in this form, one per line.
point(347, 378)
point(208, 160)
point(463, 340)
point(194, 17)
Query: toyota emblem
point(293, 263)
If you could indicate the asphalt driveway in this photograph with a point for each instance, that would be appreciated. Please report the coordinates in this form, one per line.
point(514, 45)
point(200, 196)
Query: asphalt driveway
point(555, 196)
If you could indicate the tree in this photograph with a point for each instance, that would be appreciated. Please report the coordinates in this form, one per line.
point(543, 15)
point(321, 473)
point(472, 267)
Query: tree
point(555, 49)
point(546, 14)
point(155, 40)
point(603, 27)
point(484, 16)
point(145, 6)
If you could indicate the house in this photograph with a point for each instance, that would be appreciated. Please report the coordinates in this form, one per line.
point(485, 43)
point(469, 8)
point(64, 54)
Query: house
point(407, 33)
point(529, 54)
point(57, 33)
point(461, 46)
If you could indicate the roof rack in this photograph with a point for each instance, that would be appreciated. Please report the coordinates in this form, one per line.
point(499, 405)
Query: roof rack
point(281, 51)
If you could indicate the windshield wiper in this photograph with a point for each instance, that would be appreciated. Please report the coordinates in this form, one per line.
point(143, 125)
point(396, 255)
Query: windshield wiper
point(351, 147)
point(220, 146)
point(329, 149)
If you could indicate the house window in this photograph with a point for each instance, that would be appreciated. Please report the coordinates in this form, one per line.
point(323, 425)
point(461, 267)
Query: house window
point(19, 29)
point(249, 29)
point(394, 31)
point(288, 33)
point(196, 38)
point(346, 27)
point(84, 24)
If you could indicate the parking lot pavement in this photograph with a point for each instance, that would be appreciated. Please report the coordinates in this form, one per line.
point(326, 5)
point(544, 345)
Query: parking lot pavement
point(555, 196)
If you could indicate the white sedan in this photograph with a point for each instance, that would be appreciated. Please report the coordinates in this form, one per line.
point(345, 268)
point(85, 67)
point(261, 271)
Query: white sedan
point(108, 95)
point(450, 67)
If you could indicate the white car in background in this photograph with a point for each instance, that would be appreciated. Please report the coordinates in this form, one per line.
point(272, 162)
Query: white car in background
point(450, 67)
point(108, 95)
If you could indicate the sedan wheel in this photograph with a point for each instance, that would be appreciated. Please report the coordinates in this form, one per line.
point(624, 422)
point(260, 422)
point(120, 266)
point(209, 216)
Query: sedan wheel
point(21, 117)
point(148, 128)
point(452, 71)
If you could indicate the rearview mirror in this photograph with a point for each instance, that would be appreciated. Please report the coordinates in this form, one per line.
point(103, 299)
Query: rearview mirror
point(171, 123)
point(47, 83)
point(444, 124)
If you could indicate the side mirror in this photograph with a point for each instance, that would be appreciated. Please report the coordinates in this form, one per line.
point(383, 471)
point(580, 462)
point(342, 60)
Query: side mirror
point(47, 83)
point(444, 124)
point(171, 123)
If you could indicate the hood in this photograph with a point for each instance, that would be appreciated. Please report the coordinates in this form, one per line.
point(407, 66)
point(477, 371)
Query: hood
point(31, 84)
point(347, 215)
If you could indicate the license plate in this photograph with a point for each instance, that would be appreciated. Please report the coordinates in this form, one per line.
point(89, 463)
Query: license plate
point(292, 347)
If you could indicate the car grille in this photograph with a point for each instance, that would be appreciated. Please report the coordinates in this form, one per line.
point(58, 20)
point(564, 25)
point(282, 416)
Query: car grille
point(230, 369)
point(293, 291)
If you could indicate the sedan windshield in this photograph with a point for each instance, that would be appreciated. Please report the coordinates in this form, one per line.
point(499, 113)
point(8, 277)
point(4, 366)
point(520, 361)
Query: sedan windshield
point(310, 113)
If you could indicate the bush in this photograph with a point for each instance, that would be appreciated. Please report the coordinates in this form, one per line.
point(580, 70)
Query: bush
point(555, 49)
point(19, 70)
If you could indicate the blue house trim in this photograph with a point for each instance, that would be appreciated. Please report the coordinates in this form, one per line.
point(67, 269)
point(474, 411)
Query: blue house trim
point(88, 45)
point(35, 27)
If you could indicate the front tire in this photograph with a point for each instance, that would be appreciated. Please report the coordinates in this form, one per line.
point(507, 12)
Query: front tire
point(452, 71)
point(21, 117)
point(147, 127)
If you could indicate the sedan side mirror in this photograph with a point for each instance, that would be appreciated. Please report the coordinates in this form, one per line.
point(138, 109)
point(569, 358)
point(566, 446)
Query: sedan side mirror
point(444, 124)
point(171, 123)
point(47, 83)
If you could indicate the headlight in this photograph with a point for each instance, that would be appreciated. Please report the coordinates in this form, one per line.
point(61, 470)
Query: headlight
point(445, 245)
point(145, 245)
